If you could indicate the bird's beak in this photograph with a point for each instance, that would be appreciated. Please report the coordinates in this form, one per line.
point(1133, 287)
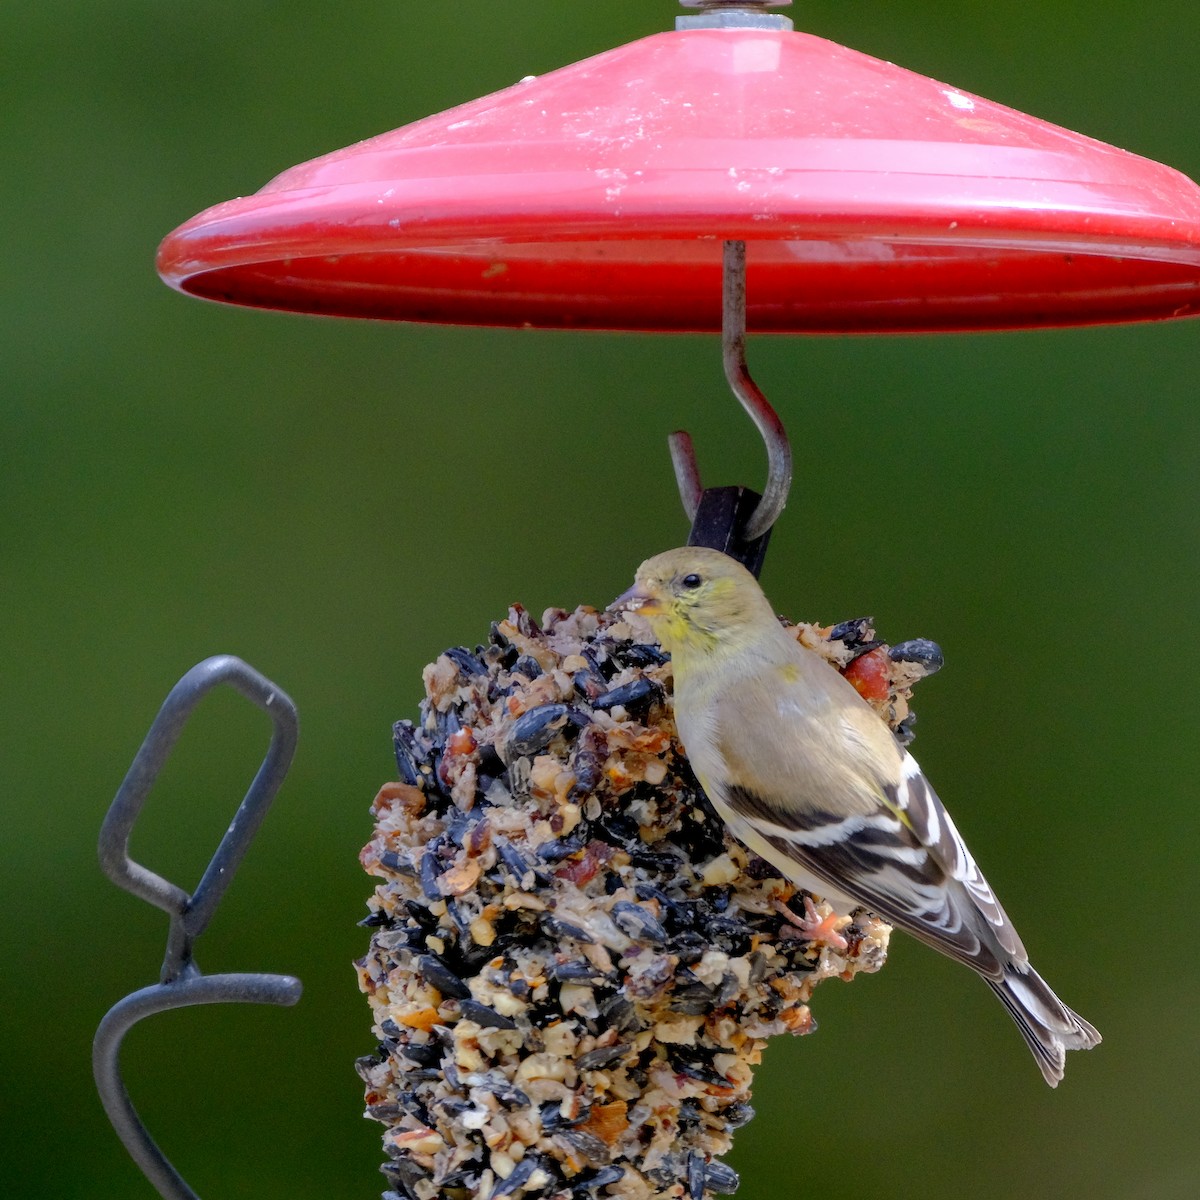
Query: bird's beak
point(637, 599)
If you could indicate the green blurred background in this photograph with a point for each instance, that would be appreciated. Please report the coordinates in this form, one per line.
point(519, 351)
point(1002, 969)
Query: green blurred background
point(336, 502)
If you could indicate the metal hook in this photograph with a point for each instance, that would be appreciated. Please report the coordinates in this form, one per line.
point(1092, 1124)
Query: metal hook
point(181, 982)
point(733, 354)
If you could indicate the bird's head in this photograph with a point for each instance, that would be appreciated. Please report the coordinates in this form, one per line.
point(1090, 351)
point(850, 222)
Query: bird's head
point(695, 599)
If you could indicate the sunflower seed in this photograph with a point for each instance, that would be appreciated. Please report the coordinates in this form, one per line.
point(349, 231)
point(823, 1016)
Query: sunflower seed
point(721, 1179)
point(442, 978)
point(633, 695)
point(601, 1057)
point(920, 651)
point(481, 1014)
point(638, 922)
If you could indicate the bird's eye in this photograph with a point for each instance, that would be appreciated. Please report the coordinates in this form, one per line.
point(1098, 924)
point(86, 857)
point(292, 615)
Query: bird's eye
point(691, 581)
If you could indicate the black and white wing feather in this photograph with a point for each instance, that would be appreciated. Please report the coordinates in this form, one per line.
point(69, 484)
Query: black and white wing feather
point(905, 861)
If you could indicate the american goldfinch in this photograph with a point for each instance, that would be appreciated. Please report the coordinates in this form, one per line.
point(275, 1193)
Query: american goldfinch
point(805, 774)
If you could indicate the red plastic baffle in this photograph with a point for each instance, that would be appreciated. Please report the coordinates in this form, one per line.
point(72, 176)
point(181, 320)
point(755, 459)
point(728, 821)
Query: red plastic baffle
point(872, 199)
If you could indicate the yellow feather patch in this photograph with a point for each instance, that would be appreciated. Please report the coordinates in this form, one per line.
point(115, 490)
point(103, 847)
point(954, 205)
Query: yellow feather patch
point(677, 634)
point(898, 813)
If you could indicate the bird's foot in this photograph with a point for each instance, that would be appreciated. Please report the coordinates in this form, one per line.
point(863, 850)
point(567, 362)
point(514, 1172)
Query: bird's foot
point(812, 926)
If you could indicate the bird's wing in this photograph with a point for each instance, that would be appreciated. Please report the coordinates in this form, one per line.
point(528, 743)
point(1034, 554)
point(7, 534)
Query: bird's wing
point(879, 836)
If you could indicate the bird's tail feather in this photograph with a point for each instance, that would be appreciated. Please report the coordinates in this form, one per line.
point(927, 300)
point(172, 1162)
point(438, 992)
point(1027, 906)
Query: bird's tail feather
point(1045, 1022)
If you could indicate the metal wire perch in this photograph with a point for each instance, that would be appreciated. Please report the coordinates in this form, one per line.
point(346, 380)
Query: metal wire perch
point(181, 982)
point(736, 520)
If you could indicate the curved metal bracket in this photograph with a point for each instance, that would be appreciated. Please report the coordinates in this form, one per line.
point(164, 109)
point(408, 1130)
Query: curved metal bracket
point(779, 452)
point(181, 982)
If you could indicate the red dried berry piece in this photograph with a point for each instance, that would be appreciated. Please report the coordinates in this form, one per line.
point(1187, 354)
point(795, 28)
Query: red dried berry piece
point(869, 674)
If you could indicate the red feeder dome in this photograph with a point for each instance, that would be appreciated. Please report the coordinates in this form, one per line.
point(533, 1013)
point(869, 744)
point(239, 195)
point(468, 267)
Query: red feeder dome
point(872, 199)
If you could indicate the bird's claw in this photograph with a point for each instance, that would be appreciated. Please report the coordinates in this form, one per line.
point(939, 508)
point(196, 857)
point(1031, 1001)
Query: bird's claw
point(812, 926)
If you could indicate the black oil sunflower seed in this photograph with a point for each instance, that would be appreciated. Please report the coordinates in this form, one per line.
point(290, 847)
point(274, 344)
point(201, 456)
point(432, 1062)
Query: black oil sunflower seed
point(519, 866)
point(619, 1013)
point(424, 1054)
point(853, 632)
point(633, 695)
point(557, 849)
point(481, 1014)
point(557, 928)
point(520, 1175)
point(442, 978)
point(404, 1174)
point(376, 920)
point(574, 970)
point(508, 1094)
point(466, 662)
point(588, 1144)
point(603, 1177)
point(534, 730)
point(638, 654)
point(552, 1120)
point(528, 666)
point(409, 755)
point(431, 868)
point(601, 1057)
point(921, 651)
point(721, 1179)
point(395, 862)
point(638, 922)
point(737, 1115)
